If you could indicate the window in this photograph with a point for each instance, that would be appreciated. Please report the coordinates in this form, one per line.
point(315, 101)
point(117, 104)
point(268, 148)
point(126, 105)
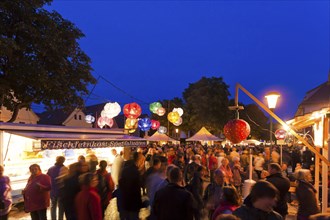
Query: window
point(79, 117)
point(75, 117)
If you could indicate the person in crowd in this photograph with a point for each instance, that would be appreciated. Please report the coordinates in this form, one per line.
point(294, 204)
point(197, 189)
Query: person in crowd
point(109, 184)
point(275, 156)
point(140, 162)
point(259, 204)
point(245, 160)
point(196, 188)
point(179, 161)
point(71, 188)
point(37, 193)
point(154, 180)
point(237, 174)
point(149, 157)
point(282, 184)
point(170, 155)
point(191, 168)
point(284, 170)
point(213, 193)
point(233, 154)
point(102, 186)
point(156, 165)
point(173, 201)
point(55, 172)
point(5, 195)
point(88, 202)
point(296, 158)
point(230, 201)
point(212, 164)
point(306, 195)
point(258, 164)
point(116, 167)
point(307, 158)
point(130, 188)
point(228, 174)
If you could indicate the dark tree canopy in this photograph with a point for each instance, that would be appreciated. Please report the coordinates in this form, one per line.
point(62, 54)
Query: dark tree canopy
point(207, 104)
point(40, 58)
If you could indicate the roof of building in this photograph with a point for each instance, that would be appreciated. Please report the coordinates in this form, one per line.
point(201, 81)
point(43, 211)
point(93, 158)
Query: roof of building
point(315, 99)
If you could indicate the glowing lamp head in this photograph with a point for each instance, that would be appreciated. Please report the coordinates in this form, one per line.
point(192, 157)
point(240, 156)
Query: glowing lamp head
point(162, 130)
point(272, 98)
point(155, 124)
point(132, 110)
point(144, 124)
point(89, 119)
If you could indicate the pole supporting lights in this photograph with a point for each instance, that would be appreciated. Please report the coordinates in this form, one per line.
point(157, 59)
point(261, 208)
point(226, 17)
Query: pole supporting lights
point(272, 98)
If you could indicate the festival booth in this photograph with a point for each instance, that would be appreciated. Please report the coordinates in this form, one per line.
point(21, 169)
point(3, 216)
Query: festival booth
point(161, 138)
point(22, 145)
point(204, 136)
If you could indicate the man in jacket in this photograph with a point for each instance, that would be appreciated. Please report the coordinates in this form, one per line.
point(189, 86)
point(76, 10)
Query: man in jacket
point(282, 184)
point(173, 201)
point(259, 204)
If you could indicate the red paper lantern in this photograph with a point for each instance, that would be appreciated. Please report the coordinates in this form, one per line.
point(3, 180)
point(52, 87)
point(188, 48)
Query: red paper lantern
point(236, 130)
point(155, 124)
point(132, 110)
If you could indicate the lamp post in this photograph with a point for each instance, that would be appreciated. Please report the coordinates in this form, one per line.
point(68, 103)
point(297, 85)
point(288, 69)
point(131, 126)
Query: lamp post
point(272, 100)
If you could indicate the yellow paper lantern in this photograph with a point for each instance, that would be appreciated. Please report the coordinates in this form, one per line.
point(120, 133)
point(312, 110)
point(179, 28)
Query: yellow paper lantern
point(173, 117)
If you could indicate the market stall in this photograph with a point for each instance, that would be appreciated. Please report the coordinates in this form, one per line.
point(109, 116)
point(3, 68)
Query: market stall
point(23, 145)
point(161, 138)
point(204, 136)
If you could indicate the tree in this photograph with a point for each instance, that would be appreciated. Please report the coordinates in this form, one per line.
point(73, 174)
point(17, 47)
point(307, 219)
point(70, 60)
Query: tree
point(207, 104)
point(40, 58)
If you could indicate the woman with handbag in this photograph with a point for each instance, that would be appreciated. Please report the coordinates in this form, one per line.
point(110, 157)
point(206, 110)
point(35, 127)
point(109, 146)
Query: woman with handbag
point(5, 195)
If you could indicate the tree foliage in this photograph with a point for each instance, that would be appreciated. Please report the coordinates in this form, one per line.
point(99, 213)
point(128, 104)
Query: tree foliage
point(207, 104)
point(40, 58)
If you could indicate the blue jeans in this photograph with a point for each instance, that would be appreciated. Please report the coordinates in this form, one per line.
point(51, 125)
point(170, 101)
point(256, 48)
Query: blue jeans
point(56, 202)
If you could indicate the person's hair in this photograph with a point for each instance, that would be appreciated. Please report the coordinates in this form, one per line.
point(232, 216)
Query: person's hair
point(86, 179)
point(156, 161)
point(227, 217)
point(218, 172)
point(230, 195)
point(60, 160)
point(114, 151)
point(81, 158)
point(168, 170)
point(263, 189)
point(34, 165)
point(135, 156)
point(175, 175)
point(275, 166)
point(303, 174)
point(103, 164)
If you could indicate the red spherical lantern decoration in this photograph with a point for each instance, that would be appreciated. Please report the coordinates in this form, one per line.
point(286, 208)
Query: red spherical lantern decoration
point(155, 124)
point(132, 110)
point(236, 130)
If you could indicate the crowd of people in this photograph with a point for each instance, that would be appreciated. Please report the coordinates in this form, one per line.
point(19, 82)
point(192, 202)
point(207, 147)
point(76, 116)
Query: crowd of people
point(179, 182)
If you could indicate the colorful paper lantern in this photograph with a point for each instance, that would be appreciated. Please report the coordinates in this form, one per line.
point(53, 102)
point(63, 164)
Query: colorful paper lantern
point(173, 117)
point(178, 110)
point(155, 106)
point(162, 130)
point(102, 121)
point(155, 124)
point(89, 119)
point(144, 124)
point(179, 122)
point(132, 110)
point(111, 109)
point(130, 123)
point(236, 130)
point(161, 111)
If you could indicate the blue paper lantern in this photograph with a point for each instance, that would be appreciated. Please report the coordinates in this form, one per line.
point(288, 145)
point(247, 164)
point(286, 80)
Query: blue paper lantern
point(144, 124)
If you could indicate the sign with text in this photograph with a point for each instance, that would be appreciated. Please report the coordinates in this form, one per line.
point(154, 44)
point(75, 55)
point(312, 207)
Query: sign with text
point(76, 144)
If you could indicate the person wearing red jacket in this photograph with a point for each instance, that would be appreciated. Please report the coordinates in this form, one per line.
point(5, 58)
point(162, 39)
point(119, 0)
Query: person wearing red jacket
point(37, 193)
point(88, 201)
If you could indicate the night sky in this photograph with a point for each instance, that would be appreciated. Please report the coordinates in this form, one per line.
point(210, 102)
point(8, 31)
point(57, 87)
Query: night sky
point(153, 50)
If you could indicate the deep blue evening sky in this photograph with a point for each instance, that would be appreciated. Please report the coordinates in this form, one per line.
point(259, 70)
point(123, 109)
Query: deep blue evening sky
point(153, 50)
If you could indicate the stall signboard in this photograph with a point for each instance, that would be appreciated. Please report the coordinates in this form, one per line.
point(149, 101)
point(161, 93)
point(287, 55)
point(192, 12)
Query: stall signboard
point(76, 144)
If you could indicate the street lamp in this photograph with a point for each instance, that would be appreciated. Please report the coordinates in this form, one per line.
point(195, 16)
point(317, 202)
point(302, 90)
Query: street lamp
point(272, 100)
point(177, 132)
